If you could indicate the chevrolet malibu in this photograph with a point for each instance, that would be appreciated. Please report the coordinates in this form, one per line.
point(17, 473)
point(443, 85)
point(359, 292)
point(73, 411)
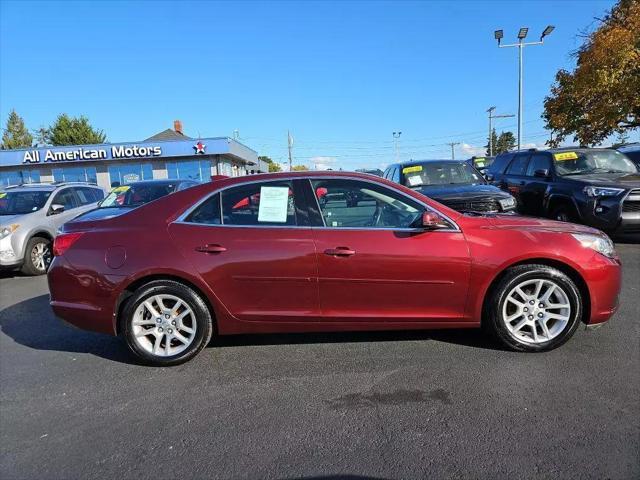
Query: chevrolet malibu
point(325, 251)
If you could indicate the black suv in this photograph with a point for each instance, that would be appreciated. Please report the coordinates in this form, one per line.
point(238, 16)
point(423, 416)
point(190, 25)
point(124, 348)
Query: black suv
point(454, 183)
point(597, 187)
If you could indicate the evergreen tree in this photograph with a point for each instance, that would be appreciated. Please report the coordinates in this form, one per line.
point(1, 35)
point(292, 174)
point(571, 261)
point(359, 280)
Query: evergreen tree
point(493, 141)
point(42, 136)
point(506, 141)
point(74, 131)
point(15, 134)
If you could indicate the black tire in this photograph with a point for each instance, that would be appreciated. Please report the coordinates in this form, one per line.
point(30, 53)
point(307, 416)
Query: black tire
point(30, 265)
point(565, 213)
point(497, 296)
point(202, 318)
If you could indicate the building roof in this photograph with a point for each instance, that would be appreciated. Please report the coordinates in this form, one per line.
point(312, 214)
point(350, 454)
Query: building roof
point(168, 134)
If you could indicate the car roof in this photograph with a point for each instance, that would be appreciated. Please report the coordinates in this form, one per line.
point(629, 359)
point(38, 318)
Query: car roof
point(160, 181)
point(632, 147)
point(430, 160)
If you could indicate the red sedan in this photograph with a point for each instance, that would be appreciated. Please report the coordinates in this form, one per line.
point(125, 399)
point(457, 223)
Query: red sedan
point(325, 251)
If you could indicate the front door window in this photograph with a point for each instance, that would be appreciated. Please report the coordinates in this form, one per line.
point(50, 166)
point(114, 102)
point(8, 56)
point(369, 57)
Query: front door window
point(357, 204)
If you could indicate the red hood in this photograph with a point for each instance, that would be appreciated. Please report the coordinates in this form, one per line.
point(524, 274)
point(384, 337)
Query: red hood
point(517, 222)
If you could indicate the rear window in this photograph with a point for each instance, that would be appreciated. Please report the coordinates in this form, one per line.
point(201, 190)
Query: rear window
point(133, 195)
point(500, 163)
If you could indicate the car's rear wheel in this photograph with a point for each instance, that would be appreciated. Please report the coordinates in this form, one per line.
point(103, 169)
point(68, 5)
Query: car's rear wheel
point(534, 308)
point(166, 323)
point(37, 256)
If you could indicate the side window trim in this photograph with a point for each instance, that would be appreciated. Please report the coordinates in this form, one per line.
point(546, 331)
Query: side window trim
point(188, 211)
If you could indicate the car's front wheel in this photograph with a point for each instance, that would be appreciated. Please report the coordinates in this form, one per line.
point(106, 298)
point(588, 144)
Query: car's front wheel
point(37, 256)
point(534, 308)
point(166, 323)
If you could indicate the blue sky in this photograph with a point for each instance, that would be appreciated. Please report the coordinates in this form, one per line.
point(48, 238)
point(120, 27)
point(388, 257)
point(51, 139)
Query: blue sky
point(342, 76)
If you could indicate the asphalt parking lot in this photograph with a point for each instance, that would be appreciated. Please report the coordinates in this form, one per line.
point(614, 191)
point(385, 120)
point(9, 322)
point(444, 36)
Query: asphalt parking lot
point(384, 405)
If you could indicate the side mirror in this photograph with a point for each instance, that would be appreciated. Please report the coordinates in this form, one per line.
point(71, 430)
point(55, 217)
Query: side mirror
point(56, 208)
point(433, 221)
point(488, 176)
point(543, 173)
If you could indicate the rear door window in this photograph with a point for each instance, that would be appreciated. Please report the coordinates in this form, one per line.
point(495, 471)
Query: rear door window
point(265, 203)
point(500, 164)
point(519, 165)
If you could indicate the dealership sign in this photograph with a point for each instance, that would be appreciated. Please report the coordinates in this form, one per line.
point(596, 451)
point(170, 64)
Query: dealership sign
point(82, 153)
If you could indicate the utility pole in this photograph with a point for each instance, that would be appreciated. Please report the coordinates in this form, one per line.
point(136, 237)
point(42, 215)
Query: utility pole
point(522, 34)
point(290, 146)
point(453, 153)
point(491, 117)
point(396, 140)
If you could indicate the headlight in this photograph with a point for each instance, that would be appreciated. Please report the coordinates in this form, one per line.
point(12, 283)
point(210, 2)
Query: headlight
point(8, 230)
point(600, 243)
point(592, 191)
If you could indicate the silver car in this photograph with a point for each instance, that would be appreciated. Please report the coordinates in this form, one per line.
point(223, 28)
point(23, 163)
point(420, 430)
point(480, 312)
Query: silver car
point(30, 216)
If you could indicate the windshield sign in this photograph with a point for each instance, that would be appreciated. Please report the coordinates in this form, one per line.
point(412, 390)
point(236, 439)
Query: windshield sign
point(595, 161)
point(136, 195)
point(19, 203)
point(441, 173)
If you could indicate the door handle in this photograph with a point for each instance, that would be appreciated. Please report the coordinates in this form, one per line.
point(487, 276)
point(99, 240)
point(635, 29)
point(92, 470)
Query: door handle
point(340, 252)
point(211, 248)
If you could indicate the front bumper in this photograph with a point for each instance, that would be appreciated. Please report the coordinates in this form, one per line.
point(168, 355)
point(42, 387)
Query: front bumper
point(615, 215)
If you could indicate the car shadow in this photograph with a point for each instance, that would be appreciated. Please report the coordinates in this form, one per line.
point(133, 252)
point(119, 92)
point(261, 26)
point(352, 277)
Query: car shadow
point(31, 323)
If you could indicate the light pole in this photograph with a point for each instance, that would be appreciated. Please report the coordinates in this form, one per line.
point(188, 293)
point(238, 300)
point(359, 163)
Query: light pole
point(396, 139)
point(491, 117)
point(522, 34)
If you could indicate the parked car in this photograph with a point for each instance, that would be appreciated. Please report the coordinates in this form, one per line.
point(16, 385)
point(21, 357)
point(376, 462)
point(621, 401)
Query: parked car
point(632, 151)
point(481, 163)
point(325, 251)
point(124, 198)
point(371, 171)
point(30, 216)
point(454, 183)
point(595, 186)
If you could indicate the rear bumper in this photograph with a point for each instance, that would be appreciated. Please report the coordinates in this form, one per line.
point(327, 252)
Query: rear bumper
point(85, 300)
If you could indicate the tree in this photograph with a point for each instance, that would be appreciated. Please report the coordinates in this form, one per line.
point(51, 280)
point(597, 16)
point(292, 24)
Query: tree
point(493, 140)
point(74, 131)
point(299, 168)
point(601, 96)
point(273, 166)
point(42, 136)
point(506, 141)
point(15, 134)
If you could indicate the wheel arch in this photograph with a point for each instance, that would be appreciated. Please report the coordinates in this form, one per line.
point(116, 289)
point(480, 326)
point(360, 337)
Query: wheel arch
point(555, 200)
point(565, 268)
point(130, 289)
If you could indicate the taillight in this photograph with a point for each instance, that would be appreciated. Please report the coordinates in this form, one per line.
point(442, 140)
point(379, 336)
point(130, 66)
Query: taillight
point(63, 241)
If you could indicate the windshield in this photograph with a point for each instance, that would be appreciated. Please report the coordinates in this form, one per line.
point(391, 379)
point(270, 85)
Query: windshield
point(19, 203)
point(441, 173)
point(594, 161)
point(136, 195)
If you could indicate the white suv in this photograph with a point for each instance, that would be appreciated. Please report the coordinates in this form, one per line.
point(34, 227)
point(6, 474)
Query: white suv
point(30, 216)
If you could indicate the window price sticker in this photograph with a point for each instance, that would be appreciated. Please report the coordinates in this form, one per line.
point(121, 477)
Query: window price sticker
point(565, 156)
point(274, 204)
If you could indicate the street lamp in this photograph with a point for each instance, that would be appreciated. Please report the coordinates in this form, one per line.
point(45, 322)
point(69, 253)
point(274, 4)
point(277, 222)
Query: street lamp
point(522, 34)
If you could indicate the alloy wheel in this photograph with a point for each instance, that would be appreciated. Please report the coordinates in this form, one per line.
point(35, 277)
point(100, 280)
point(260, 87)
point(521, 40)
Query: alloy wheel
point(164, 325)
point(41, 256)
point(536, 311)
